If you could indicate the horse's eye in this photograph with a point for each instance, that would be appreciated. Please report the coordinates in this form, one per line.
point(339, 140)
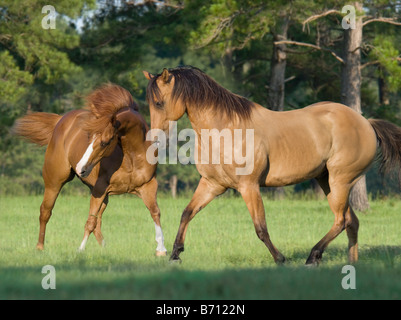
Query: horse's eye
point(104, 144)
point(159, 104)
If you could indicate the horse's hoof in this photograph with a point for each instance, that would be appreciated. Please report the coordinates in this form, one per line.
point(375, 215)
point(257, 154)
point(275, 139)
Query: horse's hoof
point(281, 260)
point(314, 258)
point(175, 261)
point(311, 265)
point(161, 253)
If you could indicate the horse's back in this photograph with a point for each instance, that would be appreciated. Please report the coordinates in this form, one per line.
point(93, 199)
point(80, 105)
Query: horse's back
point(71, 121)
point(303, 143)
point(344, 124)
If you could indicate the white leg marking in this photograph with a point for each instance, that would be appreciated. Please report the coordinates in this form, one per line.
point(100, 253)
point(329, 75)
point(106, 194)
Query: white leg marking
point(83, 244)
point(84, 158)
point(160, 239)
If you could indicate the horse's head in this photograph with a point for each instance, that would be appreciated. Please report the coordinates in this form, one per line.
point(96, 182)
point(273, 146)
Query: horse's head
point(101, 145)
point(102, 124)
point(164, 102)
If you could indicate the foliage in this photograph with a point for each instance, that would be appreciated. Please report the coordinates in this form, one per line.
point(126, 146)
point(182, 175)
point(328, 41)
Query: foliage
point(232, 41)
point(14, 80)
point(386, 54)
point(40, 52)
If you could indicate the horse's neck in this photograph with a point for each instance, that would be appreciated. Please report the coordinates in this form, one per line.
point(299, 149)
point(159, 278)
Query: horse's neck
point(204, 119)
point(208, 119)
point(132, 139)
point(131, 144)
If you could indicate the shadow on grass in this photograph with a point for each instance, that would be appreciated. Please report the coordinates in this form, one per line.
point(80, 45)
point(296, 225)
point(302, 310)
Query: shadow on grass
point(376, 278)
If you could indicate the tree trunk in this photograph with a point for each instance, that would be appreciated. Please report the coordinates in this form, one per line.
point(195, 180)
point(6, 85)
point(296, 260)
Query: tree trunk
point(317, 189)
point(275, 99)
point(384, 99)
point(351, 93)
point(359, 197)
point(173, 185)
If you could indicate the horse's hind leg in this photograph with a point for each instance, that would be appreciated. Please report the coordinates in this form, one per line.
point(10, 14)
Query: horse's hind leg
point(352, 226)
point(253, 200)
point(351, 222)
point(337, 196)
point(46, 208)
point(53, 184)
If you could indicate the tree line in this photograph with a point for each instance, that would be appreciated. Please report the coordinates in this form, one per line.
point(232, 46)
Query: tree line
point(281, 54)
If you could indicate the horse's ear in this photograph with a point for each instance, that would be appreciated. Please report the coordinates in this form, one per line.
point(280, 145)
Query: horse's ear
point(115, 123)
point(165, 75)
point(148, 75)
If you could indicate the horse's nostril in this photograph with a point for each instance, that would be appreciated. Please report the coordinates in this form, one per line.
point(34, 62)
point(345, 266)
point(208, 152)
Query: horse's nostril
point(83, 173)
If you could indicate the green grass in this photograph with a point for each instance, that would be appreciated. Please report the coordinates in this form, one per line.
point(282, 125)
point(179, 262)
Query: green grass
point(223, 257)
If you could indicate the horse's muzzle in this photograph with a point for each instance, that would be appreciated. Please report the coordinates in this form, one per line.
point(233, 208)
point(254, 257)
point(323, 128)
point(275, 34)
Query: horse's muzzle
point(85, 171)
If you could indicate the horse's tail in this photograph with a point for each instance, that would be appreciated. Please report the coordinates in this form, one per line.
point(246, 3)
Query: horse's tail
point(389, 137)
point(36, 127)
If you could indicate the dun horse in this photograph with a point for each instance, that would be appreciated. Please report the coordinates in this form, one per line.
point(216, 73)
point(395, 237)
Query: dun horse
point(105, 146)
point(327, 141)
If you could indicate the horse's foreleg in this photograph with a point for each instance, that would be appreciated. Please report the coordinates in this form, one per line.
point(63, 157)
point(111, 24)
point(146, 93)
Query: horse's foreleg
point(98, 232)
point(253, 200)
point(96, 204)
point(148, 193)
point(204, 193)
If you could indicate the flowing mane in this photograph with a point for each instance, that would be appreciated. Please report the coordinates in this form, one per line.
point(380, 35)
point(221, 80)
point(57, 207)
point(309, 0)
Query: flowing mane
point(195, 87)
point(104, 103)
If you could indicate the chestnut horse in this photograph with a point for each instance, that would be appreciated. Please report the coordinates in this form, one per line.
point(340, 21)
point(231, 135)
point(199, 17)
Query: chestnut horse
point(327, 141)
point(105, 146)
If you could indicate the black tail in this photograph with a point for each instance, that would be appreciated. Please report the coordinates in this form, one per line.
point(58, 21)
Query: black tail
point(389, 137)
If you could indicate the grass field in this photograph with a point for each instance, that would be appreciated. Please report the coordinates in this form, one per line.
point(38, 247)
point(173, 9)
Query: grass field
point(223, 257)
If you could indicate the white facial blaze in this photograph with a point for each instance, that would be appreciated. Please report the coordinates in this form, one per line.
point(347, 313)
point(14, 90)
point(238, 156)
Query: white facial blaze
point(85, 158)
point(160, 239)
